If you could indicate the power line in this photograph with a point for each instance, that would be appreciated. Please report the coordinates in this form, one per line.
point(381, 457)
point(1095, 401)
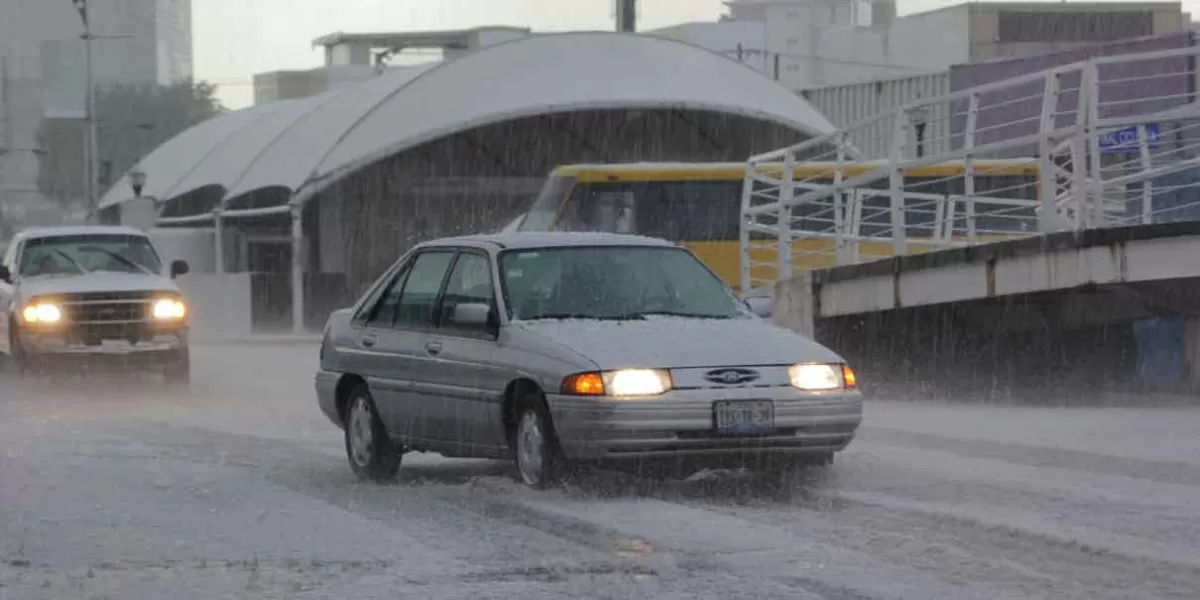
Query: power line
point(843, 61)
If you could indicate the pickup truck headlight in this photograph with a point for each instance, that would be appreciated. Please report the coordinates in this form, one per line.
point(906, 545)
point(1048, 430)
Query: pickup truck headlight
point(169, 309)
point(818, 377)
point(42, 313)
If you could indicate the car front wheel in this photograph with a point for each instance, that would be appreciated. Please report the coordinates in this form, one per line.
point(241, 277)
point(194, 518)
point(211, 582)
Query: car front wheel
point(539, 459)
point(372, 455)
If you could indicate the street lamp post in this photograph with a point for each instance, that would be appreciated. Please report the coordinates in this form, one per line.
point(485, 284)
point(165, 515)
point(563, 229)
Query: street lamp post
point(137, 180)
point(90, 151)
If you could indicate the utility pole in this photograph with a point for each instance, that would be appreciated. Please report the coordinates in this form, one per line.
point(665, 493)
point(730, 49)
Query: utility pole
point(627, 15)
point(90, 147)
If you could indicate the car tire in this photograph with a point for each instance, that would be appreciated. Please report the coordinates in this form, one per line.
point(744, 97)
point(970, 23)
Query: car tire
point(537, 454)
point(816, 459)
point(788, 470)
point(22, 364)
point(372, 455)
point(179, 370)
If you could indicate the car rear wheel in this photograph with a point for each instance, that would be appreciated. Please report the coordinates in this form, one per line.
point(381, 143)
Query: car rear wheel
point(372, 455)
point(538, 456)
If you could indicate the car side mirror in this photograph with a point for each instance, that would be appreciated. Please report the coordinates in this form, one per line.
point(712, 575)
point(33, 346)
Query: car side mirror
point(761, 306)
point(179, 267)
point(5, 274)
point(476, 315)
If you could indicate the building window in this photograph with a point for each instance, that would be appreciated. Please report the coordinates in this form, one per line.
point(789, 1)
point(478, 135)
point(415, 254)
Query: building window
point(1063, 26)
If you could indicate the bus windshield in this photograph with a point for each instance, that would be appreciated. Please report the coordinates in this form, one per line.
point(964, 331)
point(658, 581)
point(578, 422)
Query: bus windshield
point(673, 210)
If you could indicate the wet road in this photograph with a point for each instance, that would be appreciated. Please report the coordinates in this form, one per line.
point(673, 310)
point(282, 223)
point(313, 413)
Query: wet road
point(238, 488)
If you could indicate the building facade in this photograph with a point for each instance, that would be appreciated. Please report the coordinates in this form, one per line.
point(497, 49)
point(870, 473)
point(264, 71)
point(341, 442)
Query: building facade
point(137, 42)
point(809, 44)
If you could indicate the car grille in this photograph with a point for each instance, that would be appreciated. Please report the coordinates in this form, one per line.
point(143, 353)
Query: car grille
point(107, 307)
point(92, 317)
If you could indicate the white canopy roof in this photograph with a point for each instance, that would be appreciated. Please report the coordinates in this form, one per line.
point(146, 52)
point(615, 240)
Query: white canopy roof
point(301, 145)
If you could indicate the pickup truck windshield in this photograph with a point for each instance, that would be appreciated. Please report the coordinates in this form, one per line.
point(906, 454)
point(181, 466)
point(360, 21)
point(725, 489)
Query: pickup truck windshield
point(77, 254)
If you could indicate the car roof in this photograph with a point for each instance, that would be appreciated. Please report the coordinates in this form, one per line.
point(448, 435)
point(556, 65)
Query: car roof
point(531, 240)
point(44, 232)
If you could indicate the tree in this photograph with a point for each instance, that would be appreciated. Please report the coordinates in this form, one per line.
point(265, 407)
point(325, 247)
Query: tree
point(132, 121)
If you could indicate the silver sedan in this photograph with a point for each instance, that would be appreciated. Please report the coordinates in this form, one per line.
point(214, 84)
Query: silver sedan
point(557, 347)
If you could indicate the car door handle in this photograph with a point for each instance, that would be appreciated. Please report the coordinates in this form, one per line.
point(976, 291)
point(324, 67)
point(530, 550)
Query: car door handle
point(368, 341)
point(433, 348)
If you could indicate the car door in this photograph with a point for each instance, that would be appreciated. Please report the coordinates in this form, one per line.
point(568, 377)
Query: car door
point(365, 355)
point(413, 413)
point(463, 375)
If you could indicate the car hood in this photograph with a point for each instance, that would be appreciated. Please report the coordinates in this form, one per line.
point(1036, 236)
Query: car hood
point(95, 282)
point(674, 342)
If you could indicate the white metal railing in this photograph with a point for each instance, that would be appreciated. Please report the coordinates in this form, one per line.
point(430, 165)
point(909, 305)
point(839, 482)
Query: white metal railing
point(1108, 141)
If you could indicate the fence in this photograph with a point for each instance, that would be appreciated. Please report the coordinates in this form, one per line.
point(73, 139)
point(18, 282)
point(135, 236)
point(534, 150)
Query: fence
point(1112, 141)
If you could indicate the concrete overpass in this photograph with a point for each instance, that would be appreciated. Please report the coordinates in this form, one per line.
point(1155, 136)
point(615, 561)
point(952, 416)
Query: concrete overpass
point(1066, 315)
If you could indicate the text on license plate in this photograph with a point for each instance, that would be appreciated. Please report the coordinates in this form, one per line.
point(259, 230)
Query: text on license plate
point(744, 416)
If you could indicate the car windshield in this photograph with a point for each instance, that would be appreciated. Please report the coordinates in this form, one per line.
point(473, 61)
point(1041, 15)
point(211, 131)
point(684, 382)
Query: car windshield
point(613, 282)
point(77, 254)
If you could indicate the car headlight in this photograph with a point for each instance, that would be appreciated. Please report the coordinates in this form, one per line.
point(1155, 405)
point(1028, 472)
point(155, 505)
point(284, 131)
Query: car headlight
point(42, 312)
point(816, 377)
point(169, 309)
point(623, 382)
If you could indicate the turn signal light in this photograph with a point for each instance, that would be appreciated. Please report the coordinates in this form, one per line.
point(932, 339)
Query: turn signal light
point(849, 377)
point(583, 384)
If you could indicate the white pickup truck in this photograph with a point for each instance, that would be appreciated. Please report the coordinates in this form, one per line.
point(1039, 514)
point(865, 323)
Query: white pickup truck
point(92, 296)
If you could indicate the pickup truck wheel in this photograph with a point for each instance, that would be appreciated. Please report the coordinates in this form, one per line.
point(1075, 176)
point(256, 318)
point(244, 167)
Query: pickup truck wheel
point(372, 455)
point(179, 370)
point(18, 361)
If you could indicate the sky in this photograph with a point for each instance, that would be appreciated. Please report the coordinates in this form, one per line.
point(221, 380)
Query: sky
point(234, 39)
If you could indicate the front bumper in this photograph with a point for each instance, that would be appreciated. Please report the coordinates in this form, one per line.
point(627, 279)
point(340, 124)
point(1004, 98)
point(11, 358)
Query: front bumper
point(326, 383)
point(681, 423)
point(153, 345)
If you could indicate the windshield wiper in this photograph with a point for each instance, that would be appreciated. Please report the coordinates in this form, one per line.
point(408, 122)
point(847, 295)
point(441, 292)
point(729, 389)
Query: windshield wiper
point(120, 259)
point(74, 262)
point(565, 316)
point(679, 313)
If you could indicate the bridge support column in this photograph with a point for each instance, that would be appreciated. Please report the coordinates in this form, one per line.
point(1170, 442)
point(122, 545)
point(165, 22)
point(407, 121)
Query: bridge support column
point(1191, 349)
point(297, 212)
point(218, 242)
point(795, 305)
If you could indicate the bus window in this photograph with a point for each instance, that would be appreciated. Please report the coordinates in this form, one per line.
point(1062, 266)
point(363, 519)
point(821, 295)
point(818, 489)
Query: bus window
point(607, 207)
point(674, 210)
point(549, 202)
point(692, 211)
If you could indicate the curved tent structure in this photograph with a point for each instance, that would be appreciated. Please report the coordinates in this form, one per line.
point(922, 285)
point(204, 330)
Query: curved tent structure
point(172, 161)
point(303, 145)
point(226, 161)
point(561, 73)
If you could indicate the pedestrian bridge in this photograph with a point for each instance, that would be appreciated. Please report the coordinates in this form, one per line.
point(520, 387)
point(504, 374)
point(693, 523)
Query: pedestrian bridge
point(1108, 142)
point(1071, 219)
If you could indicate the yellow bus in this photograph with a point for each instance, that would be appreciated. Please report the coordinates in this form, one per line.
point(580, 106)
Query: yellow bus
point(699, 204)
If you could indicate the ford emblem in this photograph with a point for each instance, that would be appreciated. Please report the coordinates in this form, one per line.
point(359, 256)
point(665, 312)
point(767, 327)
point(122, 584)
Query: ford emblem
point(731, 376)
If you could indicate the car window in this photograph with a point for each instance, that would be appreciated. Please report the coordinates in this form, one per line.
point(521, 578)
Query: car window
point(612, 283)
point(75, 254)
point(470, 282)
point(419, 299)
point(382, 312)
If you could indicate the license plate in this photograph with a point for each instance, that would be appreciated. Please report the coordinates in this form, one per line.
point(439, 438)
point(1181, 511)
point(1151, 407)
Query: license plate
point(115, 346)
point(744, 416)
